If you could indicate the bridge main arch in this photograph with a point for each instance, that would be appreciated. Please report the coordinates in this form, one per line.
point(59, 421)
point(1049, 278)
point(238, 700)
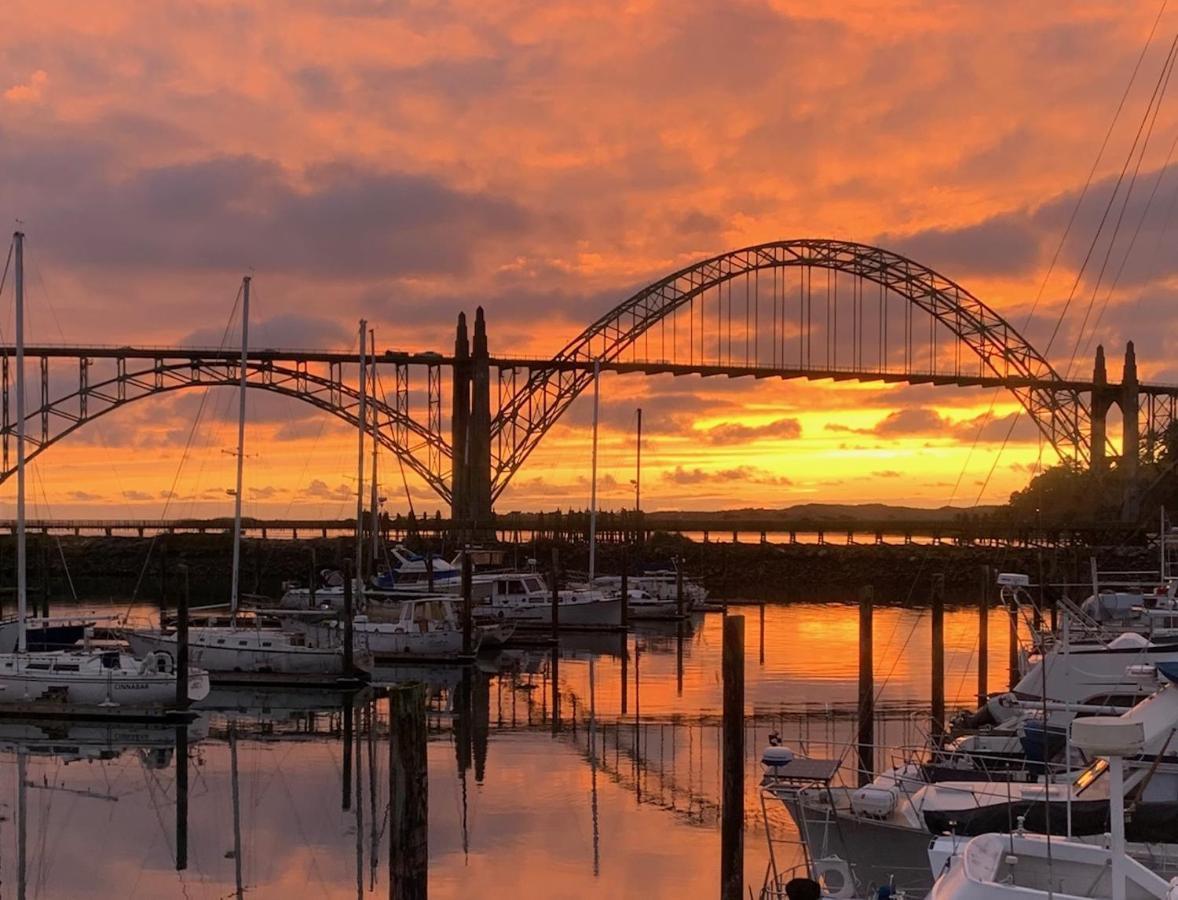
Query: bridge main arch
point(907, 292)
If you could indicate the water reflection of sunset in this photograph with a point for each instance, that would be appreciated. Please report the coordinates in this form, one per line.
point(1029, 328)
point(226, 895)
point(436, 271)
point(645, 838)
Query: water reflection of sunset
point(523, 793)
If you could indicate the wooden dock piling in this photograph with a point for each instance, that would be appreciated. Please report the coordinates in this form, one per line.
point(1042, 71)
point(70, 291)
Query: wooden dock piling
point(732, 805)
point(408, 794)
point(467, 605)
point(181, 760)
point(984, 638)
point(346, 780)
point(555, 594)
point(312, 579)
point(866, 685)
point(182, 648)
point(937, 692)
point(625, 589)
point(347, 623)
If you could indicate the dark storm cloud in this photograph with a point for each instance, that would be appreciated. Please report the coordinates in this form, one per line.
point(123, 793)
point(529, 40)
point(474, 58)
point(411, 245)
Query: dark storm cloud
point(285, 330)
point(1003, 245)
point(237, 212)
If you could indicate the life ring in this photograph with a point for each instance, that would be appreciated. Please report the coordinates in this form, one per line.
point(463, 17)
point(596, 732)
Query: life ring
point(835, 876)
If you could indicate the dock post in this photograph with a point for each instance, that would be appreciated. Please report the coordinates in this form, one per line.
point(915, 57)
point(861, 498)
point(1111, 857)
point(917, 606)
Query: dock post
point(182, 646)
point(679, 589)
point(408, 794)
point(732, 806)
point(347, 623)
point(349, 731)
point(555, 594)
point(761, 617)
point(938, 667)
point(45, 575)
point(467, 604)
point(181, 797)
point(984, 638)
point(163, 574)
point(625, 588)
point(866, 686)
point(314, 576)
point(555, 672)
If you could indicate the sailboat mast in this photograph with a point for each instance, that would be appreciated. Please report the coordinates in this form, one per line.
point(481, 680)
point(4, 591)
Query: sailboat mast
point(638, 466)
point(375, 500)
point(362, 419)
point(593, 478)
point(245, 334)
point(18, 240)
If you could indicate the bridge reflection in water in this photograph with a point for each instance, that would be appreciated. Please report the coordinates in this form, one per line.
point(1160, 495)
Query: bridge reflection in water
point(597, 766)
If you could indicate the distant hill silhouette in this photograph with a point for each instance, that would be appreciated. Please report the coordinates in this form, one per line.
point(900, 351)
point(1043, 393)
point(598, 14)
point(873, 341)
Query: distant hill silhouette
point(832, 512)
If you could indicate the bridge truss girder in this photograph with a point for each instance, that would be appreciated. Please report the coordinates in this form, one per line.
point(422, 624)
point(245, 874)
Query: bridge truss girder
point(136, 379)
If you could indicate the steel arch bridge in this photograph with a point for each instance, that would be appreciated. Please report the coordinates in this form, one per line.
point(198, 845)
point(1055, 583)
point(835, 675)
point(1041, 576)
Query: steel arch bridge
point(1000, 353)
point(816, 309)
point(138, 374)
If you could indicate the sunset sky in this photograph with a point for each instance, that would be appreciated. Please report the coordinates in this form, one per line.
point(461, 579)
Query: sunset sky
point(404, 161)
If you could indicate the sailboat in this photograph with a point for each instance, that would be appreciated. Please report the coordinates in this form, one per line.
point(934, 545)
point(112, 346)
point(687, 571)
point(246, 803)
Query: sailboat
point(98, 679)
point(240, 647)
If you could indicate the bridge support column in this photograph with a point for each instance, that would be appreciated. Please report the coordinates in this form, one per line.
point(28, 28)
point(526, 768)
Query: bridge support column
point(1131, 433)
point(459, 425)
point(479, 435)
point(1101, 401)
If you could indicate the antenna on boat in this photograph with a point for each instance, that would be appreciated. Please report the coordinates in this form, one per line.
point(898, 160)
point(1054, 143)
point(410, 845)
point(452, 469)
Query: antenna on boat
point(245, 332)
point(374, 499)
point(362, 421)
point(18, 243)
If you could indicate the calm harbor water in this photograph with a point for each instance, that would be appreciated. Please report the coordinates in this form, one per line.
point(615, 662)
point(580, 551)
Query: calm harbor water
point(608, 786)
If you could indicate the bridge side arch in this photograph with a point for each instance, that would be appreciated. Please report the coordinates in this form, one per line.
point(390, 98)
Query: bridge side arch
point(1061, 414)
point(57, 418)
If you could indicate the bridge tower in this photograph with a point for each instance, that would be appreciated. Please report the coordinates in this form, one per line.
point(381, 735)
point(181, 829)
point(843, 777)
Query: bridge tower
point(1130, 413)
point(478, 441)
point(459, 425)
point(1102, 400)
point(1130, 436)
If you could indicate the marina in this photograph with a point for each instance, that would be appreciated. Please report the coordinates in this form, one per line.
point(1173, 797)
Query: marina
point(495, 451)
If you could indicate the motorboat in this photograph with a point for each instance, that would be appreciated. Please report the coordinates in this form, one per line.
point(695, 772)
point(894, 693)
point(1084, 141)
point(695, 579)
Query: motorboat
point(424, 628)
point(884, 827)
point(523, 597)
point(1021, 866)
point(661, 584)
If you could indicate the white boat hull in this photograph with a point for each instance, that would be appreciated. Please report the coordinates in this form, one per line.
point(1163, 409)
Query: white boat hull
point(20, 682)
point(250, 658)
